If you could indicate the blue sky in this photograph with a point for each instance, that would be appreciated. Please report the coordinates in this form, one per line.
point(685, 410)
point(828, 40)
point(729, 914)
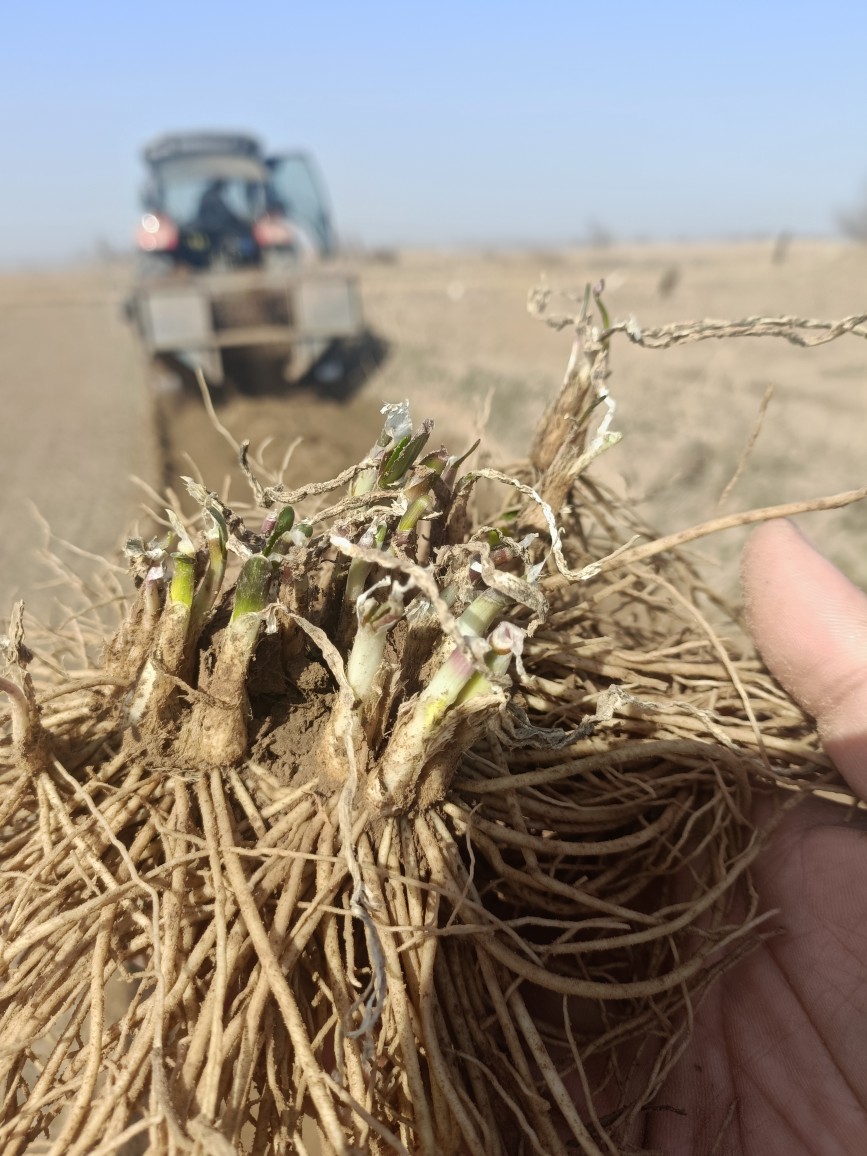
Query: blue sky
point(446, 123)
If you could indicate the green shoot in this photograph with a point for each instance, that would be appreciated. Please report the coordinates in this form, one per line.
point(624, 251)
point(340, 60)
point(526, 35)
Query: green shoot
point(360, 568)
point(403, 456)
point(397, 429)
point(216, 536)
point(284, 523)
point(254, 586)
point(505, 640)
point(183, 582)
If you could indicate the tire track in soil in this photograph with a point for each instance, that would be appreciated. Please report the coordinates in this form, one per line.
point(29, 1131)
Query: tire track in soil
point(334, 434)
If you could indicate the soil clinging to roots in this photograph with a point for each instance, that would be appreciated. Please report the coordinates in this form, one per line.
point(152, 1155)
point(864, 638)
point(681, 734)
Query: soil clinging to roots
point(379, 821)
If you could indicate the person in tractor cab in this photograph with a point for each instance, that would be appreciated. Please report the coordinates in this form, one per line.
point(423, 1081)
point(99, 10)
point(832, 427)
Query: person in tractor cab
point(214, 215)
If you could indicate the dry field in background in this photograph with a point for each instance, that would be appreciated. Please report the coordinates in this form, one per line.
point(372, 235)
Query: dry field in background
point(453, 327)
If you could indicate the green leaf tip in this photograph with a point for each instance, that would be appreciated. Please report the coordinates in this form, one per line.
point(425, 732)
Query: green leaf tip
point(285, 522)
point(404, 454)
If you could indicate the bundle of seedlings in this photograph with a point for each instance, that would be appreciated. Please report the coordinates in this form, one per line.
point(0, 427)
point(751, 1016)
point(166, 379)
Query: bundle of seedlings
point(379, 826)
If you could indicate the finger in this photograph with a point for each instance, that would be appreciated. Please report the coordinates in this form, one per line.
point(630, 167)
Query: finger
point(810, 625)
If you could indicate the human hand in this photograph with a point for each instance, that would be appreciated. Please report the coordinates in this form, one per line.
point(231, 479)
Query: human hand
point(778, 1062)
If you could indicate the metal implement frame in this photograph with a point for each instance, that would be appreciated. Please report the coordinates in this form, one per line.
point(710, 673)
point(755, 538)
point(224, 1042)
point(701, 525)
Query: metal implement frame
point(179, 315)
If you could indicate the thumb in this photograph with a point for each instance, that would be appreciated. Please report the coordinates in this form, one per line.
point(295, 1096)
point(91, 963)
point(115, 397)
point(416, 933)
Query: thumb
point(810, 625)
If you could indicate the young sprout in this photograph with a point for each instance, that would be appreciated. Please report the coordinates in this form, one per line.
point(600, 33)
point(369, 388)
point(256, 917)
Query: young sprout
point(183, 583)
point(172, 646)
point(418, 494)
point(172, 655)
point(481, 612)
point(359, 568)
point(375, 620)
point(216, 536)
point(283, 523)
point(598, 290)
point(401, 458)
point(416, 727)
point(450, 475)
point(397, 429)
point(217, 731)
point(293, 580)
point(505, 640)
point(181, 534)
point(251, 593)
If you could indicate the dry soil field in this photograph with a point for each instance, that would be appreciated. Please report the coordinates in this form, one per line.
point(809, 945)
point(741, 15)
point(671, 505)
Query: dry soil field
point(452, 329)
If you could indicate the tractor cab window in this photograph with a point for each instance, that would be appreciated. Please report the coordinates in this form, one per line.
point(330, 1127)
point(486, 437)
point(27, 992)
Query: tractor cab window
point(295, 191)
point(191, 188)
point(191, 201)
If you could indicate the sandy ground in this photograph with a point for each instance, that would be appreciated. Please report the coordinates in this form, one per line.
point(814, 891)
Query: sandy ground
point(77, 423)
point(448, 331)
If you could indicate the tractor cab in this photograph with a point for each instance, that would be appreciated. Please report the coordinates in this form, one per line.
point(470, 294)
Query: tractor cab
point(216, 201)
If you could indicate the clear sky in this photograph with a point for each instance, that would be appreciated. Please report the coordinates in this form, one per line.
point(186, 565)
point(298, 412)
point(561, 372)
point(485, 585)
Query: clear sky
point(445, 122)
